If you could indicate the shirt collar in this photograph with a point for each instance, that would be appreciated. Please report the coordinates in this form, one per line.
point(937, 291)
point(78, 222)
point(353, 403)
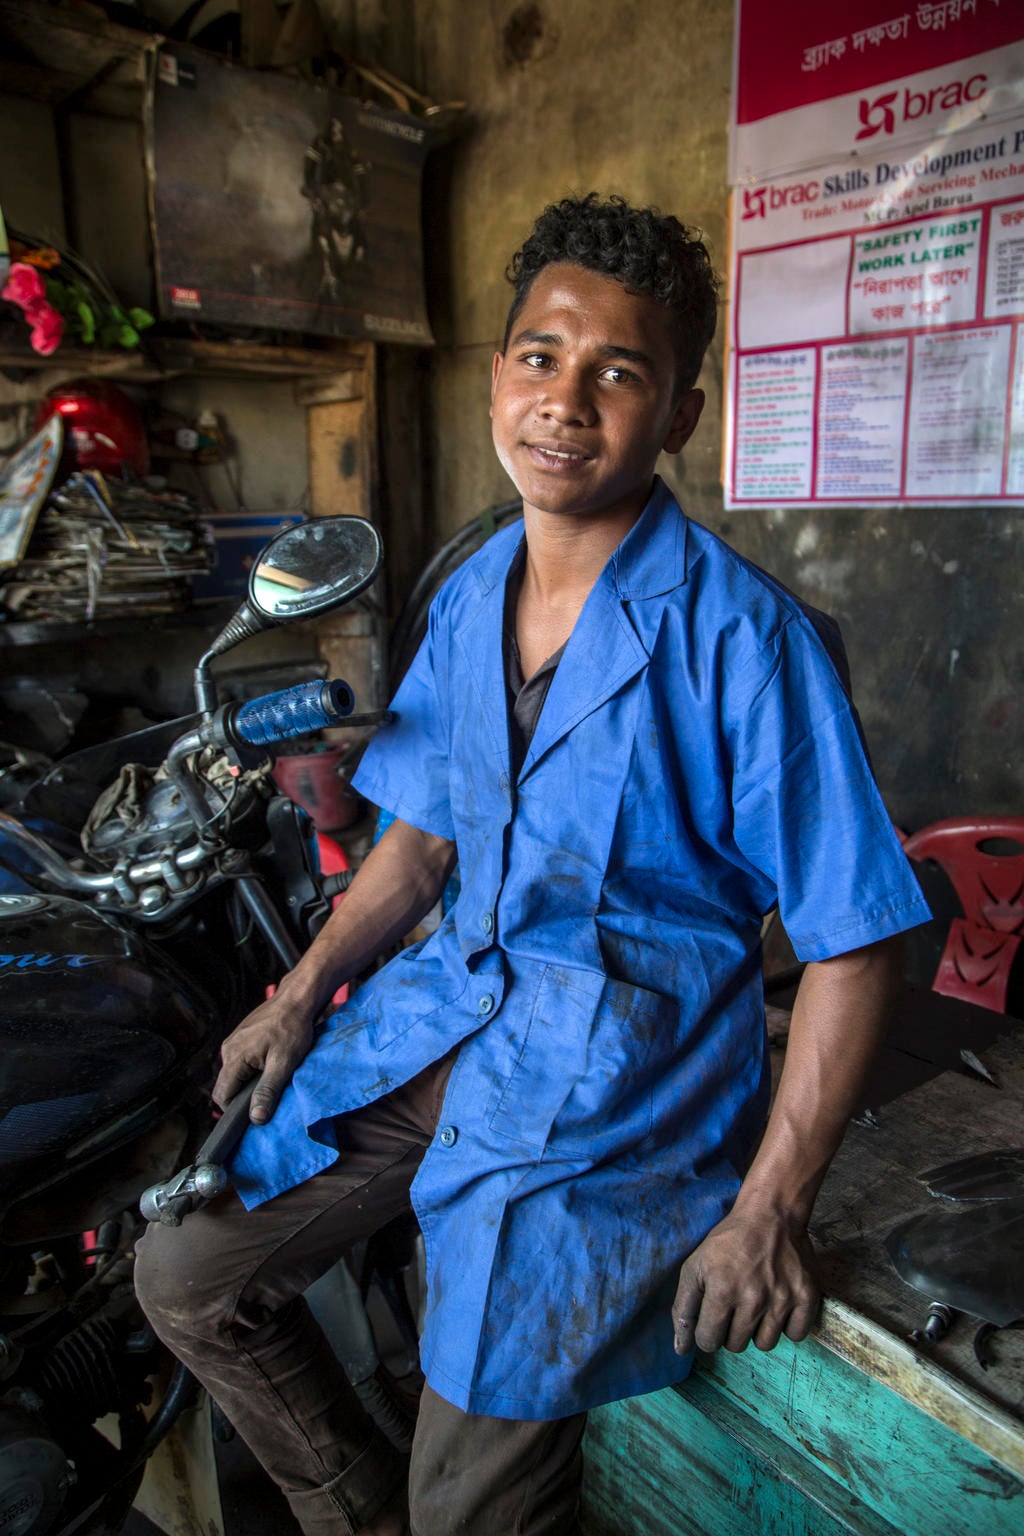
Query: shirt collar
point(650, 560)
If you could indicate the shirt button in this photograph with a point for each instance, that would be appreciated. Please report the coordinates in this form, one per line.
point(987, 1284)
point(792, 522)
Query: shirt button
point(485, 1005)
point(487, 922)
point(449, 1136)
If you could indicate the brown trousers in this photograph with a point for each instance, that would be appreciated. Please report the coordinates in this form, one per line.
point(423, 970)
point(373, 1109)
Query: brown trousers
point(224, 1292)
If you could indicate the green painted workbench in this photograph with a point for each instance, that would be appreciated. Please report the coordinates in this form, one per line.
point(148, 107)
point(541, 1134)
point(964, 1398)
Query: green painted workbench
point(856, 1429)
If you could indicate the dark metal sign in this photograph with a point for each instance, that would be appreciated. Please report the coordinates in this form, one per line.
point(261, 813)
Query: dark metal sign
point(283, 205)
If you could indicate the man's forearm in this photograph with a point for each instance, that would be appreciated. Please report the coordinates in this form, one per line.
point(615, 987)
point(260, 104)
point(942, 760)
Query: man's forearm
point(751, 1277)
point(398, 883)
point(839, 1020)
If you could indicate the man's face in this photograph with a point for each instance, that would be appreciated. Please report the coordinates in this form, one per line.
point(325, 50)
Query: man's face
point(585, 396)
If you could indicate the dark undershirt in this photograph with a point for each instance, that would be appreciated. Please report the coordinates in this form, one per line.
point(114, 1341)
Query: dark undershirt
point(525, 697)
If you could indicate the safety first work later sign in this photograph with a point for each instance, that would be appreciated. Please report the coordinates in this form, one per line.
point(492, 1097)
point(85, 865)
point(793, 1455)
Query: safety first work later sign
point(876, 339)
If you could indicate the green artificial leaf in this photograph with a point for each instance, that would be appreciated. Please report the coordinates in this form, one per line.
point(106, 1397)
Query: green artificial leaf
point(128, 336)
point(141, 319)
point(86, 323)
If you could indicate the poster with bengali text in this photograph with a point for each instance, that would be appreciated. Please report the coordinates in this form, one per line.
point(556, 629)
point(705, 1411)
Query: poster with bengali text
point(894, 293)
point(876, 293)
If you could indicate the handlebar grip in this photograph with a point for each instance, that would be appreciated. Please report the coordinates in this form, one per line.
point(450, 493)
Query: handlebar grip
point(292, 712)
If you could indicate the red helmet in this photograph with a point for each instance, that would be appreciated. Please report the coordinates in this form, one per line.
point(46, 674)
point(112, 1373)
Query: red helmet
point(103, 427)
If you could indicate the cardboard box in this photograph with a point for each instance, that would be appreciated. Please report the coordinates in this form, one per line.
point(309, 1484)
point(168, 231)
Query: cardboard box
point(238, 538)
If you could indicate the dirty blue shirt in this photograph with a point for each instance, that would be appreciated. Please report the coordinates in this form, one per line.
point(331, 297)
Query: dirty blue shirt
point(695, 762)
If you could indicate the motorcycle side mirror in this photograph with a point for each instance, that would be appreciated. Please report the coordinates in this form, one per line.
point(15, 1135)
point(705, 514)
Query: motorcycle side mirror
point(317, 566)
point(303, 572)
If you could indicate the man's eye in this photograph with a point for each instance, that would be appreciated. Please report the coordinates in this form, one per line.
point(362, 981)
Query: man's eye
point(619, 375)
point(535, 359)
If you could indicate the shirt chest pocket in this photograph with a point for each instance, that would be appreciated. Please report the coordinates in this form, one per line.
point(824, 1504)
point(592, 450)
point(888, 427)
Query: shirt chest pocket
point(583, 1077)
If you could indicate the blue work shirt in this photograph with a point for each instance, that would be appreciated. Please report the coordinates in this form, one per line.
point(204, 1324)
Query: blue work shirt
point(696, 761)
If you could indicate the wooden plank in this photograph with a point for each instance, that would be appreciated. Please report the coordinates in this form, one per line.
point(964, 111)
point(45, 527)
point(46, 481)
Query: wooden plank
point(918, 1380)
point(253, 359)
point(676, 1464)
point(164, 358)
point(342, 438)
point(340, 386)
point(79, 360)
point(342, 454)
point(795, 1442)
point(908, 1466)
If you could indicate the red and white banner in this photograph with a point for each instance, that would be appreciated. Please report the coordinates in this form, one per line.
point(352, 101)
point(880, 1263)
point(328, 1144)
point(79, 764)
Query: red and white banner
point(877, 293)
point(812, 83)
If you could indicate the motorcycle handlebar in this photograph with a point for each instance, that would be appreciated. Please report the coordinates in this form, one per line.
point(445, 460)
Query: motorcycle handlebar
point(260, 722)
point(292, 712)
point(58, 870)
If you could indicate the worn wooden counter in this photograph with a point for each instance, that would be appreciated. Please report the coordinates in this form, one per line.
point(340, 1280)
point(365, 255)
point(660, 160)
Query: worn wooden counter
point(856, 1429)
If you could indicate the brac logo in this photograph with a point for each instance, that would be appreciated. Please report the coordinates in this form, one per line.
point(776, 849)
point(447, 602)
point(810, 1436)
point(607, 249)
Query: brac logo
point(884, 113)
point(877, 116)
point(758, 202)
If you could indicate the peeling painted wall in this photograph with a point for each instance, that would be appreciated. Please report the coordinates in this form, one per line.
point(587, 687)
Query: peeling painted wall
point(634, 98)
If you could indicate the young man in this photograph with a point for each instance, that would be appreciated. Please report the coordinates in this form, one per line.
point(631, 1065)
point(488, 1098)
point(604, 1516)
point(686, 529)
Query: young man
point(635, 744)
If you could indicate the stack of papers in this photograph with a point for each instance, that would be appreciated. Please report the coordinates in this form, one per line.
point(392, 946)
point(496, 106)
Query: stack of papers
point(104, 549)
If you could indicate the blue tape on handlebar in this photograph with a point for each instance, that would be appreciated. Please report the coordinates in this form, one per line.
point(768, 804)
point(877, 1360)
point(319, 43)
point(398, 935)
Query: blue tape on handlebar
point(292, 712)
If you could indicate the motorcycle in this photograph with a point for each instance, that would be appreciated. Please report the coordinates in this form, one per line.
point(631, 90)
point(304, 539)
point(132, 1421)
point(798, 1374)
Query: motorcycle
point(125, 958)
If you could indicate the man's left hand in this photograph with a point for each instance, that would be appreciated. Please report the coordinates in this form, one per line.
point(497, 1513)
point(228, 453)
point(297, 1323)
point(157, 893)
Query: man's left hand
point(750, 1279)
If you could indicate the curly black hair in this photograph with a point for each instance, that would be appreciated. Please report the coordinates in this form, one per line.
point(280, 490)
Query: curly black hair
point(649, 252)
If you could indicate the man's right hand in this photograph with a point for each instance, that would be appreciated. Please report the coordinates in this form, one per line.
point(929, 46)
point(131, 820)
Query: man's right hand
point(397, 884)
point(272, 1040)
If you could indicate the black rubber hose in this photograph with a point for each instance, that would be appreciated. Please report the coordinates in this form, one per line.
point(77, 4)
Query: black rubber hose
point(181, 1389)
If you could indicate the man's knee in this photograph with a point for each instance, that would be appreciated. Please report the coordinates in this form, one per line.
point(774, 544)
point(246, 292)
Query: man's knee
point(179, 1280)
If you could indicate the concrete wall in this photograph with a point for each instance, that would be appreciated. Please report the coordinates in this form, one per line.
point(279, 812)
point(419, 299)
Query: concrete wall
point(630, 98)
point(634, 98)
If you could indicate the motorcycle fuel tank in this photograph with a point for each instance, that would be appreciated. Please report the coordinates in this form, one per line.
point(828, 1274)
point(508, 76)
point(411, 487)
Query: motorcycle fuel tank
point(94, 1020)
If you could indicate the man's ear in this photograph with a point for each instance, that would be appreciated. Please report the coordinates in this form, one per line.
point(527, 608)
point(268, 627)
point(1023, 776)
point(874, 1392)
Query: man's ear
point(499, 358)
point(684, 420)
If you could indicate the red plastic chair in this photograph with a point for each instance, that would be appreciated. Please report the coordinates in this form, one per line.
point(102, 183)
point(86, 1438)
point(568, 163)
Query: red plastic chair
point(989, 881)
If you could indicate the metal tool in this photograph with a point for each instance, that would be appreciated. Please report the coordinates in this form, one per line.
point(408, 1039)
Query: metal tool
point(205, 1177)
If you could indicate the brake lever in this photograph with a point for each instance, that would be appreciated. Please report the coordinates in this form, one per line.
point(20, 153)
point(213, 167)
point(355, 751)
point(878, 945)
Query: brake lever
point(205, 1177)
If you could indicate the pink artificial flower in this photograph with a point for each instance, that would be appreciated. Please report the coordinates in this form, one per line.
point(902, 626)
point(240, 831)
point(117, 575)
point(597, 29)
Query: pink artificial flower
point(47, 328)
point(24, 286)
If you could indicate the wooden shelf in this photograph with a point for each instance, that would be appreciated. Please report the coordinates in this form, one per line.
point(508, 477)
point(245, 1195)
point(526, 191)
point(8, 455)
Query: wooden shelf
point(171, 357)
point(256, 360)
point(208, 615)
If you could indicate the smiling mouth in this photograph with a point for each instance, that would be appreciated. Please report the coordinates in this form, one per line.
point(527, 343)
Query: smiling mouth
point(557, 458)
